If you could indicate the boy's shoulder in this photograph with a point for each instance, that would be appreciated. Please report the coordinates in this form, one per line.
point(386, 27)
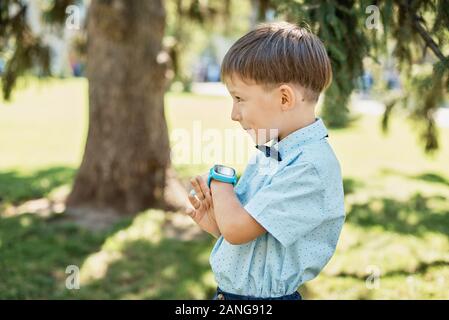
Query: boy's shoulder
point(321, 156)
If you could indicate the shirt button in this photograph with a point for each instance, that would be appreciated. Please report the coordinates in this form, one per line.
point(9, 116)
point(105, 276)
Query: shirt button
point(220, 296)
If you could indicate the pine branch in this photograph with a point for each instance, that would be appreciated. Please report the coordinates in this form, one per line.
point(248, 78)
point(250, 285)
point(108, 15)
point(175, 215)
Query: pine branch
point(427, 38)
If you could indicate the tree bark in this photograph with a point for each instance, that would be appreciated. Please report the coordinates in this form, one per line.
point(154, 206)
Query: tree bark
point(127, 151)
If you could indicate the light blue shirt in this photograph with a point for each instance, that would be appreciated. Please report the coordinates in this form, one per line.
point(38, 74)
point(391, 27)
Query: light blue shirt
point(300, 202)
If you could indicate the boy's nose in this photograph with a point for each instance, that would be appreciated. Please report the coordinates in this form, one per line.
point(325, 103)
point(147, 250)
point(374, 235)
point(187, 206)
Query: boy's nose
point(235, 115)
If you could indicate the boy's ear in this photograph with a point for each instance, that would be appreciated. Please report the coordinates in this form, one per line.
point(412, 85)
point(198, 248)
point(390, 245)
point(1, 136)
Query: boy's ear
point(289, 97)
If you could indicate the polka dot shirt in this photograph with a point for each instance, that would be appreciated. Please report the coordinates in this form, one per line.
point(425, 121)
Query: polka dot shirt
point(300, 202)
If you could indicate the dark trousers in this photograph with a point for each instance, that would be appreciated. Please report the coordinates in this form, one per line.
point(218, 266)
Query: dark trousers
point(222, 295)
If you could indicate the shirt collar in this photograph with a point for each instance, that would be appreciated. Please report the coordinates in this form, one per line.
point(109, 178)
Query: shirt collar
point(313, 132)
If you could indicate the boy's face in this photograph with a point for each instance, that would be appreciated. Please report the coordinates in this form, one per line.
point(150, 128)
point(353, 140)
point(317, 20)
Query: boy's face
point(256, 108)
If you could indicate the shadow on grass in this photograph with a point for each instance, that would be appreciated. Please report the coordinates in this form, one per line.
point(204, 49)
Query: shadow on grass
point(35, 252)
point(432, 177)
point(417, 215)
point(169, 269)
point(16, 187)
point(420, 269)
point(350, 185)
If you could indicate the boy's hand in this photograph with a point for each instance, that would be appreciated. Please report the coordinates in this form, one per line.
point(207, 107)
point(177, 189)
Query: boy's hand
point(203, 209)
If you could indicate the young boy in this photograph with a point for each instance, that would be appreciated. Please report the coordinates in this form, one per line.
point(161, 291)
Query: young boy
point(276, 229)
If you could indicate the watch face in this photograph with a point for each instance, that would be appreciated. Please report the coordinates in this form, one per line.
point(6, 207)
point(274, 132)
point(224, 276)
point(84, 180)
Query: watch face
point(226, 171)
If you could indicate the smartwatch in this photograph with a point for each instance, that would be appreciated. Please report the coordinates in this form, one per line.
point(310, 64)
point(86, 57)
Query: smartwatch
point(222, 173)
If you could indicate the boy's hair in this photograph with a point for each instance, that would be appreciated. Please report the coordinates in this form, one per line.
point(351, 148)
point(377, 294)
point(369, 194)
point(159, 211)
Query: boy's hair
point(280, 52)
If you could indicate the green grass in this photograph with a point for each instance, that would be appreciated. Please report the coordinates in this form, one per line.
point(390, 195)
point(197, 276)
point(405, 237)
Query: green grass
point(133, 260)
point(396, 203)
point(17, 186)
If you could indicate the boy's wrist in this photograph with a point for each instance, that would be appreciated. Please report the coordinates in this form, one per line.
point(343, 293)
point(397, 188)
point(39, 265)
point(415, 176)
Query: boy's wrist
point(216, 185)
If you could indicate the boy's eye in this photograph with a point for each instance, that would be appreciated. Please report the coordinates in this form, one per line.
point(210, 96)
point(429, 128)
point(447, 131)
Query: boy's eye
point(238, 99)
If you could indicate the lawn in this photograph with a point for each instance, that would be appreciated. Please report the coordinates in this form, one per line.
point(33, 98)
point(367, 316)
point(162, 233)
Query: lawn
point(395, 242)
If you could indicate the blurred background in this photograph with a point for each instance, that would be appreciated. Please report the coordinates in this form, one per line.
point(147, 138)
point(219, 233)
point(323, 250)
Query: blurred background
point(108, 107)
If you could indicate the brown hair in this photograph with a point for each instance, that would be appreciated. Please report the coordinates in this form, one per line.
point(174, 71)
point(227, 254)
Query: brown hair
point(280, 52)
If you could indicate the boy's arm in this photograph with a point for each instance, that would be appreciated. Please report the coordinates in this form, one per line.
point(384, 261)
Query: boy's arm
point(235, 223)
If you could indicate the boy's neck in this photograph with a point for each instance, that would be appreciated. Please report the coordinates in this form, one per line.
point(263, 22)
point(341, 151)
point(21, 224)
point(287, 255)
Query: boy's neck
point(301, 122)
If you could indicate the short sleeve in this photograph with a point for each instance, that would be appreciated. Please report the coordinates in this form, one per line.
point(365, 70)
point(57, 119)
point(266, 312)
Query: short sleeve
point(291, 205)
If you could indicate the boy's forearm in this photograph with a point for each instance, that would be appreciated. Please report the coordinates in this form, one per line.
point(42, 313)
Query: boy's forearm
point(227, 208)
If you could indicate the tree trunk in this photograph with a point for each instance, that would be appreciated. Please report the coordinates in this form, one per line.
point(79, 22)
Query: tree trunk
point(127, 151)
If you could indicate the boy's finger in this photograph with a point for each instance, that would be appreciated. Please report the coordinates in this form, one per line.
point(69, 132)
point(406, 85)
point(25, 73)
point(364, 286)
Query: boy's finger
point(189, 212)
point(202, 185)
point(205, 176)
point(192, 193)
point(192, 213)
point(194, 201)
point(196, 186)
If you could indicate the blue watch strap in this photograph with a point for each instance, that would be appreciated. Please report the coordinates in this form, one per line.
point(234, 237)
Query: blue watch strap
point(209, 178)
point(220, 177)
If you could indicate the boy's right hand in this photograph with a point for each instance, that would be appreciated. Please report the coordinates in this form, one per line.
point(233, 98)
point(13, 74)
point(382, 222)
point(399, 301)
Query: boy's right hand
point(203, 209)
